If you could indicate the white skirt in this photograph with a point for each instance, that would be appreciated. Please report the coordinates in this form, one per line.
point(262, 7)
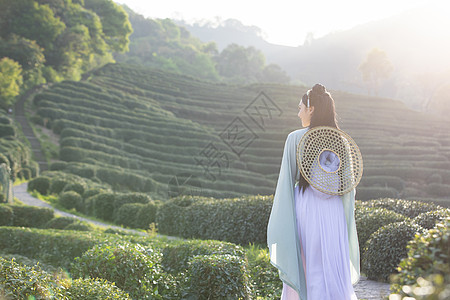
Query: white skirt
point(325, 250)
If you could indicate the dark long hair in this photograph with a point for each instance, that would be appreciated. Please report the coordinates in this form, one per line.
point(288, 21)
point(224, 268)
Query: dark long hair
point(324, 114)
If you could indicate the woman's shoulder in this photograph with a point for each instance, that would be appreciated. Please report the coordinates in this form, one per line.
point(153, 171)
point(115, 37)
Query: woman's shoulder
point(296, 134)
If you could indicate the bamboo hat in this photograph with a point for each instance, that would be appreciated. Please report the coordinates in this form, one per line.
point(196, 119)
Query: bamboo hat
point(329, 160)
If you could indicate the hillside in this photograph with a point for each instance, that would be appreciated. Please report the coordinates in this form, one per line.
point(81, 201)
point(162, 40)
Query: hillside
point(417, 51)
point(145, 130)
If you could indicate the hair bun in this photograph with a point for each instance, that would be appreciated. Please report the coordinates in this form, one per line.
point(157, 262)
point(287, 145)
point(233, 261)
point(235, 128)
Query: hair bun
point(319, 89)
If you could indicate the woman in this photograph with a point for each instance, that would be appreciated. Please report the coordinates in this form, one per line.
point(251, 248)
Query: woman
point(312, 235)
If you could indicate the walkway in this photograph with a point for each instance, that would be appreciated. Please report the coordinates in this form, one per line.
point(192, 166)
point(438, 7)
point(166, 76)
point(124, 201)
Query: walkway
point(365, 289)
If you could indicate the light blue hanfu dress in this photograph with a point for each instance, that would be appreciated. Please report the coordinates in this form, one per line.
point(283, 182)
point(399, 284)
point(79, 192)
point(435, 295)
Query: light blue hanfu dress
point(312, 236)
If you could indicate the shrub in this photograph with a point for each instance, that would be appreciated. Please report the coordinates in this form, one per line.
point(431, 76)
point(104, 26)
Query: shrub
point(146, 215)
point(6, 215)
point(58, 165)
point(367, 193)
point(93, 289)
point(409, 208)
point(58, 184)
point(219, 277)
point(40, 184)
point(428, 257)
point(126, 215)
point(122, 199)
point(102, 206)
point(131, 267)
point(71, 200)
point(386, 247)
point(92, 192)
point(265, 278)
point(25, 173)
point(76, 187)
point(60, 222)
point(30, 216)
point(429, 219)
point(209, 218)
point(79, 226)
point(24, 282)
point(176, 256)
point(369, 220)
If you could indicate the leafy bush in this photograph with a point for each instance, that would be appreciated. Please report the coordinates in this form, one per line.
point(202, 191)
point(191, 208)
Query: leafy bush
point(24, 282)
point(93, 289)
point(176, 256)
point(131, 267)
point(102, 206)
point(71, 200)
point(265, 278)
point(367, 193)
point(146, 215)
point(58, 165)
point(6, 215)
point(30, 216)
point(386, 247)
point(126, 215)
point(76, 187)
point(429, 219)
point(428, 256)
point(92, 192)
point(409, 208)
point(369, 220)
point(209, 218)
point(60, 222)
point(122, 199)
point(40, 184)
point(57, 185)
point(219, 277)
point(79, 226)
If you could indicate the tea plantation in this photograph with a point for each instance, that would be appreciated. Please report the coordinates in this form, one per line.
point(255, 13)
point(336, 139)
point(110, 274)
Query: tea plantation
point(144, 130)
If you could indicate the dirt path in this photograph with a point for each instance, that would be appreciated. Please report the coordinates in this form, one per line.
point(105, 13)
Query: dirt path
point(365, 289)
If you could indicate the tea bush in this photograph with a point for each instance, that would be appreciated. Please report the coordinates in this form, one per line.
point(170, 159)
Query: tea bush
point(219, 277)
point(386, 248)
point(176, 256)
point(40, 184)
point(6, 215)
point(23, 282)
point(77, 187)
point(146, 215)
point(429, 219)
point(409, 208)
point(428, 256)
point(30, 216)
point(369, 220)
point(72, 199)
point(60, 222)
point(88, 288)
point(126, 215)
point(131, 267)
point(209, 218)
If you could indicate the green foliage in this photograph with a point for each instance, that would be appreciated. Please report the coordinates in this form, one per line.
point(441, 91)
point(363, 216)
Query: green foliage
point(88, 288)
point(79, 226)
point(428, 257)
point(409, 208)
point(60, 222)
point(71, 199)
point(429, 219)
point(375, 68)
point(23, 282)
point(10, 81)
point(176, 256)
point(265, 278)
point(219, 277)
point(40, 184)
point(146, 215)
point(102, 206)
point(126, 215)
point(77, 187)
point(6, 215)
point(369, 220)
point(57, 185)
point(208, 218)
point(30, 216)
point(132, 268)
point(386, 248)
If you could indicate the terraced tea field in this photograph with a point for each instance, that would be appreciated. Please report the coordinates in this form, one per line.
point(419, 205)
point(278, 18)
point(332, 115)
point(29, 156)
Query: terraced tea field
point(145, 130)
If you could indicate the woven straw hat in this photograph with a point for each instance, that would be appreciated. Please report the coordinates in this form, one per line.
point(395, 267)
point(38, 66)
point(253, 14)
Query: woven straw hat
point(329, 160)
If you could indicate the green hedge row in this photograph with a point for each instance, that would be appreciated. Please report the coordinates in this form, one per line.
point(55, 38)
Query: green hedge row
point(240, 220)
point(24, 282)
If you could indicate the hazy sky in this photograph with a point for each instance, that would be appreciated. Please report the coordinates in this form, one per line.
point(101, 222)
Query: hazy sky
point(282, 22)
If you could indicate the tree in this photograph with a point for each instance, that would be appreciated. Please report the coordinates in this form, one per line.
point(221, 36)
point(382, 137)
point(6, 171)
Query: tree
point(241, 63)
point(375, 68)
point(10, 81)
